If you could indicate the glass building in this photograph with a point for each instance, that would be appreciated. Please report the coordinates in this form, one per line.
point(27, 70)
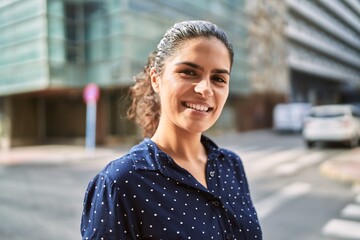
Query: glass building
point(301, 51)
point(324, 50)
point(292, 50)
point(50, 49)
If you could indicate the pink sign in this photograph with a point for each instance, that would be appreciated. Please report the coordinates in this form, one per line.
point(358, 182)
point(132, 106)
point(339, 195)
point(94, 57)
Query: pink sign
point(91, 93)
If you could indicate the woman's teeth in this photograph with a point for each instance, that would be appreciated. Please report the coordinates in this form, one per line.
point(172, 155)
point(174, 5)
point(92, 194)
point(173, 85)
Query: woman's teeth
point(197, 107)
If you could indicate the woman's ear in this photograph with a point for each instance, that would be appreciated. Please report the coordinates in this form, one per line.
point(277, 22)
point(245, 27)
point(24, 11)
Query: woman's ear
point(155, 79)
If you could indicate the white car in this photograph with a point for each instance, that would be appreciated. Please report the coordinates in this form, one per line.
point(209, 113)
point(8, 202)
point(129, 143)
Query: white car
point(332, 123)
point(290, 116)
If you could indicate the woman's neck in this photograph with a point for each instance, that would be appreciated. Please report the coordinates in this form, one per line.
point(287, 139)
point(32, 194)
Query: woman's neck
point(180, 145)
point(185, 149)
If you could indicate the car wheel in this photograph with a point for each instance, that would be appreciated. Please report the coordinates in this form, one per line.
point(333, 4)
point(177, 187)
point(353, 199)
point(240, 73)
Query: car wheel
point(309, 144)
point(353, 142)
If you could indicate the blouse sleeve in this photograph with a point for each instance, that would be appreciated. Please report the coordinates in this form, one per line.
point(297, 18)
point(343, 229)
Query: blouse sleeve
point(103, 217)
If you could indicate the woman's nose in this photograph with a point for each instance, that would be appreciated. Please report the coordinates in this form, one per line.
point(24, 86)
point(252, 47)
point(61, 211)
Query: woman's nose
point(204, 88)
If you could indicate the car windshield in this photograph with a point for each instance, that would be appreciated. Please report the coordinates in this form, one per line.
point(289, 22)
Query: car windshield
point(327, 113)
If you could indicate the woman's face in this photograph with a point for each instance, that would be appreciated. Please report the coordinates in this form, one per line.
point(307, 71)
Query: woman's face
point(194, 85)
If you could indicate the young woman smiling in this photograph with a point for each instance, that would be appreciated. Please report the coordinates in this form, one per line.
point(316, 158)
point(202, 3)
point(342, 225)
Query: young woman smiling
point(176, 183)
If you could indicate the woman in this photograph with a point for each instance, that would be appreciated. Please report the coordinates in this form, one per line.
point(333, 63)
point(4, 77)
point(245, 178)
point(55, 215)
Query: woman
point(176, 184)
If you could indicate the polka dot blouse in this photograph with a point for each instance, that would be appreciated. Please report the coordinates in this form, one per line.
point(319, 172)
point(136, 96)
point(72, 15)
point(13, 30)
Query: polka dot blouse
point(146, 195)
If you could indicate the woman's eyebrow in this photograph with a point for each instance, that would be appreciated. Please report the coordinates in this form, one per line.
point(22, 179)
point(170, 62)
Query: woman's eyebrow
point(224, 71)
point(194, 65)
point(190, 64)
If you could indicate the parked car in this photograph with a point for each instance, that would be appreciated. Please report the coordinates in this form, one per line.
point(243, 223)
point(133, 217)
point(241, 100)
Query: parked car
point(290, 116)
point(332, 123)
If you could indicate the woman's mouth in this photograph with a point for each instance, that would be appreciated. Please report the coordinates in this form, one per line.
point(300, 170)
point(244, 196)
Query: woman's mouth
point(197, 107)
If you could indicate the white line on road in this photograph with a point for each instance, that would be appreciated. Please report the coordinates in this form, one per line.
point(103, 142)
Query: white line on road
point(255, 154)
point(269, 204)
point(357, 199)
point(290, 168)
point(269, 161)
point(2, 169)
point(351, 211)
point(244, 149)
point(342, 229)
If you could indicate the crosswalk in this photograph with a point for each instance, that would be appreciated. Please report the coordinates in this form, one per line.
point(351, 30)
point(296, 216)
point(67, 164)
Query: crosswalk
point(268, 205)
point(347, 225)
point(279, 161)
point(286, 162)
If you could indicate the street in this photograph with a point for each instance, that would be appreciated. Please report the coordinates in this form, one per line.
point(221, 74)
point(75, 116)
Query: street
point(294, 200)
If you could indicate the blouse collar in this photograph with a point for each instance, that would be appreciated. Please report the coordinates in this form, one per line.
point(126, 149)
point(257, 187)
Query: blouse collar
point(148, 156)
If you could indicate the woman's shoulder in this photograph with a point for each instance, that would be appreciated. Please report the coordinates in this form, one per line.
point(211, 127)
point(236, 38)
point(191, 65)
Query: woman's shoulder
point(220, 152)
point(231, 157)
point(125, 165)
point(143, 156)
point(229, 153)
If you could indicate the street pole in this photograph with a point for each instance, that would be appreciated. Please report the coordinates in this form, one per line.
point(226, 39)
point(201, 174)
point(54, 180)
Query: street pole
point(90, 135)
point(91, 96)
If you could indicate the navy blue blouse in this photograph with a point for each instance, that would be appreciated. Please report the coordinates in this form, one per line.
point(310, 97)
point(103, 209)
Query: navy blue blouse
point(146, 195)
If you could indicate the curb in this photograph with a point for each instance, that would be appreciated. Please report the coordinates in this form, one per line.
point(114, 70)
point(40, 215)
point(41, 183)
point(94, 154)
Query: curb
point(54, 154)
point(345, 168)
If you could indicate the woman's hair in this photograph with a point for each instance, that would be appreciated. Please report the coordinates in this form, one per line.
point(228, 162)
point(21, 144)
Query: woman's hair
point(145, 106)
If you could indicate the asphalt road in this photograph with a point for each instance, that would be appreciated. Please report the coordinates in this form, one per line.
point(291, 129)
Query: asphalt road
point(43, 201)
point(293, 199)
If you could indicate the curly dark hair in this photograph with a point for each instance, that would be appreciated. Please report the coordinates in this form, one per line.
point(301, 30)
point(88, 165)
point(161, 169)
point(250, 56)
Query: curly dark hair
point(145, 107)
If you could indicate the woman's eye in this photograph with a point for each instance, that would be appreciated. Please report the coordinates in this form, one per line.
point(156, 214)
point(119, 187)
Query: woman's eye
point(219, 79)
point(188, 72)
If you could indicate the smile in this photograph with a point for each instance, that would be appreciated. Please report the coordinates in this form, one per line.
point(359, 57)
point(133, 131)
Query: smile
point(197, 107)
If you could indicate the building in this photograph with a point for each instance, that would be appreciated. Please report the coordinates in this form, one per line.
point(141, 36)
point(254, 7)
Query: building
point(321, 61)
point(50, 49)
point(285, 51)
point(324, 49)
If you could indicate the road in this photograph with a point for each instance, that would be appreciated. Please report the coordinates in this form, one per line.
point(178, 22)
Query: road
point(294, 200)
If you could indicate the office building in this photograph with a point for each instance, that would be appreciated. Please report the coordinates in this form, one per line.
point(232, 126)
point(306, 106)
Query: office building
point(291, 50)
point(321, 61)
point(50, 49)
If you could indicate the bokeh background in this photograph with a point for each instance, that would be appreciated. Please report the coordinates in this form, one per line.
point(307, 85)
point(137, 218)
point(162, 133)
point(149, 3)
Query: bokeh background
point(285, 51)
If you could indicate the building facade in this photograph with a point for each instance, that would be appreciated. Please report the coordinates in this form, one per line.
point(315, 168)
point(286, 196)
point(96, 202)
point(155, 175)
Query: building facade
point(52, 48)
point(285, 51)
point(324, 50)
point(321, 60)
point(301, 51)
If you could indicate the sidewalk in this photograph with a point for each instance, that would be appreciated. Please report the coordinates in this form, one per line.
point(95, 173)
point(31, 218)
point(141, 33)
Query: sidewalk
point(55, 154)
point(345, 167)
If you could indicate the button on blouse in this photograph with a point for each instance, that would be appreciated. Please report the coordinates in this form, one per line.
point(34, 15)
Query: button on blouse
point(146, 195)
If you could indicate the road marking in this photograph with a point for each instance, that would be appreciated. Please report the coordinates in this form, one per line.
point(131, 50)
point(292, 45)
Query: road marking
point(269, 204)
point(250, 156)
point(290, 168)
point(244, 149)
point(265, 163)
point(357, 198)
point(351, 211)
point(342, 229)
point(2, 169)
